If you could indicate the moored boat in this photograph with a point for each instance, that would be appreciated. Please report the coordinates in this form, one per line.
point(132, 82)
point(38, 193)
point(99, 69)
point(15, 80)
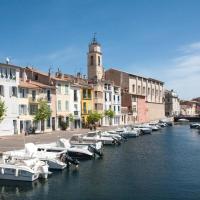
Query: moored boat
point(22, 169)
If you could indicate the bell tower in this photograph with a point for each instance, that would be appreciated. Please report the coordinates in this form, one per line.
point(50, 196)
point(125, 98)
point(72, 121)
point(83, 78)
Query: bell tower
point(94, 61)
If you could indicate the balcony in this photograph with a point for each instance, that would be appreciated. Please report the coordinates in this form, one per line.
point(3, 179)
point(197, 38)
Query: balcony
point(75, 113)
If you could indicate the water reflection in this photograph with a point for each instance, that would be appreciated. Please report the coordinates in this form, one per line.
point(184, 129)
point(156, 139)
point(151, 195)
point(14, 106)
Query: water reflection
point(9, 189)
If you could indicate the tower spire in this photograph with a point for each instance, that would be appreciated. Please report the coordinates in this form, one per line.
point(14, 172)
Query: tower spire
point(94, 37)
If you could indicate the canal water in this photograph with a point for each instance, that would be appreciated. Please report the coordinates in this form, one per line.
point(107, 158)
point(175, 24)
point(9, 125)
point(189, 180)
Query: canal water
point(161, 166)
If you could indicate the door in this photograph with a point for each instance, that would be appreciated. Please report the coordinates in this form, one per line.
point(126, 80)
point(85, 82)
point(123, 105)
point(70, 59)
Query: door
point(53, 124)
point(15, 126)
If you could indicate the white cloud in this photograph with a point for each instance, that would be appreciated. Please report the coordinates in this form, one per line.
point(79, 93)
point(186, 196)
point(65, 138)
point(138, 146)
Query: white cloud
point(62, 58)
point(181, 73)
point(184, 74)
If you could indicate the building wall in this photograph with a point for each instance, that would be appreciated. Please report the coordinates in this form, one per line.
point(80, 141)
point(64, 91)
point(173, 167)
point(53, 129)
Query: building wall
point(142, 110)
point(88, 102)
point(75, 106)
point(11, 102)
point(155, 111)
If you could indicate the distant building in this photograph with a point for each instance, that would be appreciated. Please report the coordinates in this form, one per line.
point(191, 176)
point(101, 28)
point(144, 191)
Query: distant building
point(172, 104)
point(189, 108)
point(143, 96)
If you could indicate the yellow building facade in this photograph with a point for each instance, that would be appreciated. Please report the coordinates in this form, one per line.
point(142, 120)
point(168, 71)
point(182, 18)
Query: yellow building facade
point(86, 103)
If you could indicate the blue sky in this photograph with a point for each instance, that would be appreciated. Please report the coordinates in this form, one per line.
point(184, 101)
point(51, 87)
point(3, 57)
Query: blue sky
point(154, 38)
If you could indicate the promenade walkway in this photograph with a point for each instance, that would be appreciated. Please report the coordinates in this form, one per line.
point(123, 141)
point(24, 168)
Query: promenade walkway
point(13, 142)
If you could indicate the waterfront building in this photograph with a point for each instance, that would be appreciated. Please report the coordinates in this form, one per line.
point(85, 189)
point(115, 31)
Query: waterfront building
point(86, 102)
point(172, 103)
point(67, 101)
point(9, 81)
point(143, 96)
point(189, 108)
point(34, 86)
point(75, 105)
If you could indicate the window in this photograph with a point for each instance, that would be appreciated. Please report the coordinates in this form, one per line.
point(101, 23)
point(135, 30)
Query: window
point(75, 95)
point(59, 88)
point(148, 91)
point(22, 109)
point(89, 94)
point(109, 96)
point(153, 92)
point(59, 105)
point(118, 98)
point(118, 108)
point(105, 96)
point(139, 89)
point(95, 94)
point(84, 108)
point(23, 92)
point(133, 88)
point(75, 107)
point(36, 77)
point(1, 90)
point(13, 91)
point(12, 74)
point(99, 60)
point(91, 60)
point(66, 89)
point(156, 92)
point(134, 109)
point(84, 93)
point(48, 95)
point(114, 108)
point(95, 106)
point(66, 105)
point(33, 95)
point(33, 109)
point(133, 99)
point(49, 122)
point(114, 97)
point(143, 90)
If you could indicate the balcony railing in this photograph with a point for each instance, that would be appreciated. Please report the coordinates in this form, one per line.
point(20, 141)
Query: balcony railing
point(75, 113)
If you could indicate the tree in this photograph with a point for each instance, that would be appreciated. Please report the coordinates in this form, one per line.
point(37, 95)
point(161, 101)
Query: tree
point(110, 114)
point(94, 117)
point(71, 119)
point(42, 113)
point(2, 110)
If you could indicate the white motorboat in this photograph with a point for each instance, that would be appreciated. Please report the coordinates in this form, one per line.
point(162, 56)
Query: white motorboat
point(144, 130)
point(195, 125)
point(74, 151)
point(26, 169)
point(77, 139)
point(183, 120)
point(154, 126)
point(127, 132)
point(112, 134)
point(96, 137)
point(55, 160)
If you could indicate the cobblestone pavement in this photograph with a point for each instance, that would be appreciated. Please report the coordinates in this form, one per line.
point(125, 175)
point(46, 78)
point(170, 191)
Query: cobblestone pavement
point(13, 142)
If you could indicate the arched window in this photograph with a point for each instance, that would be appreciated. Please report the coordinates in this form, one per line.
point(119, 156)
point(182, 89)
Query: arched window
point(99, 60)
point(91, 60)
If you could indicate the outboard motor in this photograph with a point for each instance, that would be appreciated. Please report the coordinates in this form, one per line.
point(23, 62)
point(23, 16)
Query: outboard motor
point(116, 141)
point(124, 137)
point(95, 150)
point(69, 160)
